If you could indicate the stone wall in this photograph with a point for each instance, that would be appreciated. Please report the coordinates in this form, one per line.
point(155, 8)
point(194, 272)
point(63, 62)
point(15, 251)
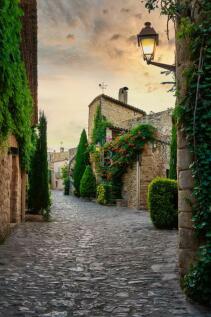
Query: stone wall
point(153, 163)
point(12, 187)
point(5, 171)
point(154, 159)
point(187, 241)
point(115, 111)
point(129, 188)
point(162, 121)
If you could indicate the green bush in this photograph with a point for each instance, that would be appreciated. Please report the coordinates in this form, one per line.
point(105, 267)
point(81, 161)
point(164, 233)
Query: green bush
point(104, 194)
point(162, 203)
point(88, 184)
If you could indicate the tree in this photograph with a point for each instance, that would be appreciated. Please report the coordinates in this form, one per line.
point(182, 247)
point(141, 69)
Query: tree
point(39, 195)
point(82, 160)
point(88, 184)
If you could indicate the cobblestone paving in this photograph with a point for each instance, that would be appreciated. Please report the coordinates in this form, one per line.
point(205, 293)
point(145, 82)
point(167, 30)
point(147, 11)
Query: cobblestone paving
point(91, 261)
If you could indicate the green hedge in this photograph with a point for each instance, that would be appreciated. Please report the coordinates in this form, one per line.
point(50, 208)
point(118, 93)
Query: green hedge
point(163, 203)
point(88, 184)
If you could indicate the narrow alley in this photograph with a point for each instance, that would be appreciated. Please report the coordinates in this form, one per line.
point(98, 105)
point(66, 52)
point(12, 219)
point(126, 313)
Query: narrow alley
point(91, 261)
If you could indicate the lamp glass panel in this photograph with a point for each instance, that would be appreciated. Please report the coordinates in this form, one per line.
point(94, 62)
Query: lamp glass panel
point(148, 46)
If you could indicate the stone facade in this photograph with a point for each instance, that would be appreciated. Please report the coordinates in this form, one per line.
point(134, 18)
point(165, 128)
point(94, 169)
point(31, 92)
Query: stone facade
point(5, 168)
point(160, 120)
point(13, 179)
point(115, 111)
point(12, 187)
point(153, 162)
point(187, 240)
point(57, 160)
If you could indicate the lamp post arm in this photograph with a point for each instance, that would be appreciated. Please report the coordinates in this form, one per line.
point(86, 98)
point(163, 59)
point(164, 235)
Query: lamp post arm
point(171, 68)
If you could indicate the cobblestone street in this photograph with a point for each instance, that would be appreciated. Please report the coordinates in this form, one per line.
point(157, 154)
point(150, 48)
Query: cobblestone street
point(91, 261)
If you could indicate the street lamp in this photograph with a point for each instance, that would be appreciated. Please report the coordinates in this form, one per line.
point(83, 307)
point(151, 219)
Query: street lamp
point(148, 39)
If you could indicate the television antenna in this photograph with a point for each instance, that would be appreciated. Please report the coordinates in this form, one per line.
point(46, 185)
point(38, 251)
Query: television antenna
point(103, 87)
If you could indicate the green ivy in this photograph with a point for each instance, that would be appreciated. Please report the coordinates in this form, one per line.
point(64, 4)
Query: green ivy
point(194, 115)
point(100, 126)
point(15, 97)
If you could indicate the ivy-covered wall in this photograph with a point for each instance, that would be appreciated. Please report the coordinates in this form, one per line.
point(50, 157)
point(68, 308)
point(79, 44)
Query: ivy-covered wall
point(193, 34)
point(16, 103)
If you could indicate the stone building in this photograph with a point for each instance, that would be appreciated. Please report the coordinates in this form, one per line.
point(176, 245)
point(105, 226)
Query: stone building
point(13, 179)
point(57, 160)
point(154, 160)
point(115, 111)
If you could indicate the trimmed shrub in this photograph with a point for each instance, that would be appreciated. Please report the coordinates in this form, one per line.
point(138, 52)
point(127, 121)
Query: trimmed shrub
point(81, 161)
point(163, 203)
point(88, 184)
point(104, 194)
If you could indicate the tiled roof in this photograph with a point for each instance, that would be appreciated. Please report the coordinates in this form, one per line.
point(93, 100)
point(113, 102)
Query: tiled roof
point(116, 101)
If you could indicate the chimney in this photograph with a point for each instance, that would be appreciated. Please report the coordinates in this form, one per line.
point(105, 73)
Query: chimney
point(123, 95)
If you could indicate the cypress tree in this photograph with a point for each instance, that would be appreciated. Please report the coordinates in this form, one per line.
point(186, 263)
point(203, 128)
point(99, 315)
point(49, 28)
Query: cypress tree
point(82, 160)
point(39, 195)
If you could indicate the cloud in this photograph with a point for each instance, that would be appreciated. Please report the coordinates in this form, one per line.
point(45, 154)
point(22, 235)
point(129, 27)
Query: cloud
point(71, 37)
point(115, 37)
point(152, 87)
point(125, 10)
point(82, 44)
point(138, 16)
point(132, 39)
point(105, 11)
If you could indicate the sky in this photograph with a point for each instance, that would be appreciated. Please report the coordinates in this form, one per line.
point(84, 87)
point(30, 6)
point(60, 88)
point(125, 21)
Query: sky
point(83, 43)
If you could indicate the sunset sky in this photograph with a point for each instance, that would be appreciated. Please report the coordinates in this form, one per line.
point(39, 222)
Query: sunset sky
point(85, 42)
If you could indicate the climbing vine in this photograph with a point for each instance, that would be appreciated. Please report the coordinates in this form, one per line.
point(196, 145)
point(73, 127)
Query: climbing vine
point(15, 96)
point(120, 153)
point(194, 115)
